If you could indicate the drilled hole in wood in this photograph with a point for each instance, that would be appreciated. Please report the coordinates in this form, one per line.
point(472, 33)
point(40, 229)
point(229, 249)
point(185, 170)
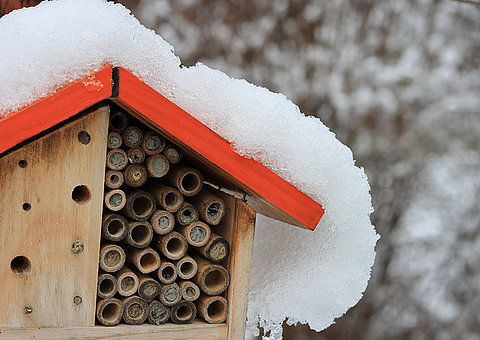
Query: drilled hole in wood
point(26, 206)
point(22, 163)
point(20, 265)
point(84, 137)
point(81, 194)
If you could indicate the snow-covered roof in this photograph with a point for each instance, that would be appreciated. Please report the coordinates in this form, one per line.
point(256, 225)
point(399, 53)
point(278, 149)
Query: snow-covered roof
point(310, 277)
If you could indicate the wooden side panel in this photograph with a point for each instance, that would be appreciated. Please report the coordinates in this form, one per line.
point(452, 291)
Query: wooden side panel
point(40, 220)
point(238, 229)
point(197, 330)
point(275, 197)
point(55, 108)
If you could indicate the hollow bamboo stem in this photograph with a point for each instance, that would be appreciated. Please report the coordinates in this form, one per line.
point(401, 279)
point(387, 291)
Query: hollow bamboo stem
point(146, 260)
point(157, 166)
point(170, 295)
point(114, 140)
point(115, 199)
point(136, 155)
point(112, 257)
point(140, 205)
point(187, 180)
point(153, 143)
point(135, 175)
point(184, 312)
point(168, 198)
point(139, 234)
point(173, 154)
point(196, 233)
point(173, 245)
point(114, 179)
point(167, 272)
point(109, 311)
point(107, 286)
point(189, 290)
point(187, 214)
point(216, 249)
point(114, 227)
point(118, 121)
point(132, 137)
point(186, 267)
point(213, 309)
point(162, 222)
point(117, 159)
point(148, 288)
point(212, 278)
point(127, 282)
point(210, 207)
point(158, 313)
point(135, 310)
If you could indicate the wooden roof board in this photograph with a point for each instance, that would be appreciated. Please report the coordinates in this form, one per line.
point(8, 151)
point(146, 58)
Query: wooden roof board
point(268, 193)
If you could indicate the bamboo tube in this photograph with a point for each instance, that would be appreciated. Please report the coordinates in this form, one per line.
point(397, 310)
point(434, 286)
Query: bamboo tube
point(148, 288)
point(135, 310)
point(115, 199)
point(184, 312)
point(127, 281)
point(173, 154)
point(135, 175)
point(132, 137)
point(170, 295)
point(146, 260)
point(117, 159)
point(158, 314)
point(118, 121)
point(157, 166)
point(188, 181)
point(196, 233)
point(173, 245)
point(213, 309)
point(140, 205)
point(210, 207)
point(153, 143)
point(136, 155)
point(114, 140)
point(167, 272)
point(189, 290)
point(107, 286)
point(139, 234)
point(114, 227)
point(187, 214)
point(216, 249)
point(186, 267)
point(168, 198)
point(109, 311)
point(212, 278)
point(114, 179)
point(162, 222)
point(112, 257)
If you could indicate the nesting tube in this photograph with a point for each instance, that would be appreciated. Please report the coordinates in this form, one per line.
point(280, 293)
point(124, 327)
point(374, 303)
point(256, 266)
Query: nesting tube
point(135, 310)
point(196, 233)
point(139, 234)
point(157, 166)
point(153, 143)
point(173, 154)
point(216, 249)
point(132, 137)
point(114, 140)
point(114, 179)
point(212, 278)
point(114, 227)
point(136, 155)
point(109, 311)
point(173, 245)
point(118, 121)
point(117, 159)
point(158, 313)
point(115, 199)
point(107, 286)
point(162, 222)
point(187, 180)
point(170, 295)
point(168, 198)
point(146, 260)
point(210, 207)
point(140, 205)
point(112, 257)
point(135, 175)
point(187, 214)
point(183, 312)
point(189, 290)
point(127, 282)
point(186, 267)
point(167, 272)
point(148, 288)
point(213, 309)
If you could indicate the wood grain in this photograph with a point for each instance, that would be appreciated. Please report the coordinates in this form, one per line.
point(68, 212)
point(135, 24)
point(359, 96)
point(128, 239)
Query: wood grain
point(55, 165)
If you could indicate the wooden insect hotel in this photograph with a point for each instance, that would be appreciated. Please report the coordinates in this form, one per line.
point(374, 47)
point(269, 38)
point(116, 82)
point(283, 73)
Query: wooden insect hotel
point(122, 215)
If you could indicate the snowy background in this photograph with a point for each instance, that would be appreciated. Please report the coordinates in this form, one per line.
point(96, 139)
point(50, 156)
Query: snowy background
point(398, 82)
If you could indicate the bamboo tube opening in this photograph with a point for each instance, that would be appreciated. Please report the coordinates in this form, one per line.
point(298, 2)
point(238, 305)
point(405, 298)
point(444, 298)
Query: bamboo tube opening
point(171, 199)
point(191, 183)
point(167, 273)
point(115, 199)
point(217, 311)
point(114, 227)
point(187, 214)
point(215, 280)
point(158, 314)
point(186, 267)
point(136, 155)
point(148, 288)
point(197, 233)
point(135, 310)
point(112, 258)
point(132, 136)
point(143, 206)
point(162, 222)
point(153, 143)
point(118, 121)
point(189, 290)
point(117, 159)
point(213, 309)
point(127, 282)
point(173, 154)
point(114, 140)
point(184, 312)
point(107, 286)
point(141, 234)
point(170, 295)
point(135, 175)
point(149, 262)
point(109, 312)
point(175, 246)
point(114, 179)
point(157, 166)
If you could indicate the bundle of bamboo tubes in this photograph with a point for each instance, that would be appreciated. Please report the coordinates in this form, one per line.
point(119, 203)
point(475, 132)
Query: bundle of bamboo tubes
point(160, 257)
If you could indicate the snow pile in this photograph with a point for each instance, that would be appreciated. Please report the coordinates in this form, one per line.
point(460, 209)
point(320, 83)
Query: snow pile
point(303, 276)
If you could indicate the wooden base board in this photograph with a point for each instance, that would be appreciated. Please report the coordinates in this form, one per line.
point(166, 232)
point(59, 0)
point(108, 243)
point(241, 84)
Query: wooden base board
point(198, 330)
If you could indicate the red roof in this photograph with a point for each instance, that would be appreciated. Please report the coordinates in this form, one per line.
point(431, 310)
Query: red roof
point(268, 193)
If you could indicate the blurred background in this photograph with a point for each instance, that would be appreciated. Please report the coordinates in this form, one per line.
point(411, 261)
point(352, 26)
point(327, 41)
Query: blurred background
point(399, 83)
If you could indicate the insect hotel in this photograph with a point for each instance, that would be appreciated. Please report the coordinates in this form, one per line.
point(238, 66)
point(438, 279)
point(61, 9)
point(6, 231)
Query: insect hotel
point(122, 215)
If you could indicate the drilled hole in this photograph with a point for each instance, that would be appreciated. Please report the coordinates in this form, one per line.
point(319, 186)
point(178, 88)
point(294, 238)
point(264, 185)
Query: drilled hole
point(26, 206)
point(81, 194)
point(20, 265)
point(22, 163)
point(84, 137)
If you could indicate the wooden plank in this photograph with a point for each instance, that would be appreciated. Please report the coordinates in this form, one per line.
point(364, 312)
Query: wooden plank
point(274, 196)
point(238, 228)
point(40, 177)
point(198, 330)
point(55, 108)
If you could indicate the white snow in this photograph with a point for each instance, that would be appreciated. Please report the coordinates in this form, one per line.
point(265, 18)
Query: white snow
point(307, 277)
